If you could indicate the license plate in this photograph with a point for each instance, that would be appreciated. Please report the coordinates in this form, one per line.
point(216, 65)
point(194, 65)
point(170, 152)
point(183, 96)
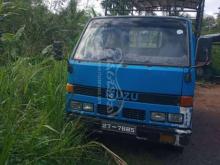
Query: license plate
point(119, 127)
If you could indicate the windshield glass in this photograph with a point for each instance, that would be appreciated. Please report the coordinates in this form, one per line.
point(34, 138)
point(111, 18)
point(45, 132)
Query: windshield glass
point(147, 41)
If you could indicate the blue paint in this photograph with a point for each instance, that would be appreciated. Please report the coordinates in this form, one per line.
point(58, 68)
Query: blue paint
point(133, 105)
point(135, 78)
point(153, 79)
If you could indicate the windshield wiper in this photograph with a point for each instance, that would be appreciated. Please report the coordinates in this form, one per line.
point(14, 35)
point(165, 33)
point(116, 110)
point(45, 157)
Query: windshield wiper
point(106, 58)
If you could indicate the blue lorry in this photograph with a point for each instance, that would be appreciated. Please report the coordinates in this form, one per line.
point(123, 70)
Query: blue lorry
point(135, 75)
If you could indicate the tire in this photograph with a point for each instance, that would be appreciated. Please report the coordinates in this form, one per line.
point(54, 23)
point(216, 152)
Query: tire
point(178, 149)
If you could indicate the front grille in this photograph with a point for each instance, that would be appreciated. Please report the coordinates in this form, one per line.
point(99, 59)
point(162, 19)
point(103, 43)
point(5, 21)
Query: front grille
point(90, 91)
point(126, 113)
point(134, 114)
point(142, 97)
point(106, 110)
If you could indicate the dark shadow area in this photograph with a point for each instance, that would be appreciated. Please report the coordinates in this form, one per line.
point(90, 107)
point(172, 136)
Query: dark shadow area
point(203, 149)
point(135, 151)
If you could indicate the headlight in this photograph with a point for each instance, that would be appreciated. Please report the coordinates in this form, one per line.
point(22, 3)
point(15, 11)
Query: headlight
point(158, 116)
point(175, 118)
point(88, 107)
point(76, 106)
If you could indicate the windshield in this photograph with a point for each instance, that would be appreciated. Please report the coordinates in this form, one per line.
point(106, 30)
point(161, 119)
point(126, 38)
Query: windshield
point(135, 41)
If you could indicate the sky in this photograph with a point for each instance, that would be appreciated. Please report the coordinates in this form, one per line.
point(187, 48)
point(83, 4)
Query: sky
point(211, 6)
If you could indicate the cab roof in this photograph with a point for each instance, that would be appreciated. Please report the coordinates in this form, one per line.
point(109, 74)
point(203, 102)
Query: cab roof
point(144, 4)
point(168, 7)
point(153, 17)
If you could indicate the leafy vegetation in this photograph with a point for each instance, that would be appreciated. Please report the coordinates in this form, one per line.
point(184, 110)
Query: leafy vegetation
point(32, 87)
point(212, 26)
point(32, 126)
point(28, 27)
point(216, 60)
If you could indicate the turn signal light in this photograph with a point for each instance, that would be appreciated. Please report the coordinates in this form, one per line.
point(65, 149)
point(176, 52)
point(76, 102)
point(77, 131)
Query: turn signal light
point(186, 101)
point(167, 139)
point(69, 88)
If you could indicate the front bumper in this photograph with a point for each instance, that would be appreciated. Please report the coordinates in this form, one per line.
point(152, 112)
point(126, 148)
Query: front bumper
point(173, 136)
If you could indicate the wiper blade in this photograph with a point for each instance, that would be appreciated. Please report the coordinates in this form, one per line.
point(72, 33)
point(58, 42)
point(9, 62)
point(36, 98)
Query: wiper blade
point(106, 58)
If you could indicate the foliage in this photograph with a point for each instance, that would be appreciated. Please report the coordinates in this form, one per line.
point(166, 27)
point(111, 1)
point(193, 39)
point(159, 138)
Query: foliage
point(216, 60)
point(40, 27)
point(8, 40)
point(118, 7)
point(32, 126)
point(32, 129)
point(211, 25)
point(32, 94)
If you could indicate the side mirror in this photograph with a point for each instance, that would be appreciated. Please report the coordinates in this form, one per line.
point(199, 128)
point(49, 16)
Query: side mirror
point(204, 49)
point(58, 50)
point(203, 52)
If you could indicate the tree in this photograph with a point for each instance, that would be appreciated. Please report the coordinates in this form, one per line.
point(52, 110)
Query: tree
point(218, 14)
point(9, 35)
point(218, 19)
point(209, 22)
point(123, 7)
point(118, 7)
point(40, 25)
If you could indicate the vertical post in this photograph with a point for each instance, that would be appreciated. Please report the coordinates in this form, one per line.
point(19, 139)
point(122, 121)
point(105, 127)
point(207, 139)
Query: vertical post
point(106, 7)
point(169, 10)
point(175, 10)
point(132, 5)
point(123, 6)
point(199, 18)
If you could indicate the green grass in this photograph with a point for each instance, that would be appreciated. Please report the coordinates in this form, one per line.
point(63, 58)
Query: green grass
point(215, 52)
point(32, 126)
point(216, 60)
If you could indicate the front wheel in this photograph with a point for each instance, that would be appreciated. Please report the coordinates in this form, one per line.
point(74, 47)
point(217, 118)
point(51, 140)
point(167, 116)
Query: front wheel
point(178, 149)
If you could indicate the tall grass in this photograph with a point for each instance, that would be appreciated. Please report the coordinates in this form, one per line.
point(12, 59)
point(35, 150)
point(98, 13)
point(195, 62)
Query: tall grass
point(32, 126)
point(216, 60)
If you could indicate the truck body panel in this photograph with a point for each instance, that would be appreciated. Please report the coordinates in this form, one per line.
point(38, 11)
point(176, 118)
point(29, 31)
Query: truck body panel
point(130, 93)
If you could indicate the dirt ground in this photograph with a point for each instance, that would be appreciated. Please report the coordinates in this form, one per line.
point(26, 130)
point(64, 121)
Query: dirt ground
point(204, 148)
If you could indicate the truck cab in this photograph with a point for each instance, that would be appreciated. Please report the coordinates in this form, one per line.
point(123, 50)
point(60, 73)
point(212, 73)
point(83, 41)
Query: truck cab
point(133, 75)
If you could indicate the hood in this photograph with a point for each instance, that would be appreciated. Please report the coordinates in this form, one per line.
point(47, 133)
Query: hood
point(134, 78)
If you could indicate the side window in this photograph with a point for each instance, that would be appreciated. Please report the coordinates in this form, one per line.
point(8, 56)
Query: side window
point(145, 39)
